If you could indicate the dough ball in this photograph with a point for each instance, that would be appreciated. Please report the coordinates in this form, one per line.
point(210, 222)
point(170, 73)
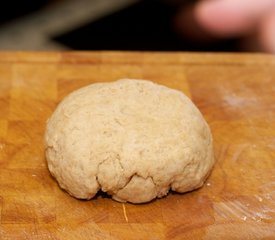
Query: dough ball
point(133, 139)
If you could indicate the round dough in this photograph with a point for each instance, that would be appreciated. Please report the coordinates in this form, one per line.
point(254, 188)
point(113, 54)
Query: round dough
point(133, 139)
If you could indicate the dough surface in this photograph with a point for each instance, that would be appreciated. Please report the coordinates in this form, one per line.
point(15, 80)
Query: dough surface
point(133, 139)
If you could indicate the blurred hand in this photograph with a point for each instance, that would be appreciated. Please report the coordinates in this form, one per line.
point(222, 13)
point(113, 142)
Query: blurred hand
point(254, 20)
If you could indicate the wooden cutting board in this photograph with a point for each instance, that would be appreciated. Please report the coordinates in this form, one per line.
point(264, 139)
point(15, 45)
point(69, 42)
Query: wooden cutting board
point(236, 94)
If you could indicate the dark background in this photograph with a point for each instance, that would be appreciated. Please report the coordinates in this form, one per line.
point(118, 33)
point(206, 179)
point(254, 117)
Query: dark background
point(146, 25)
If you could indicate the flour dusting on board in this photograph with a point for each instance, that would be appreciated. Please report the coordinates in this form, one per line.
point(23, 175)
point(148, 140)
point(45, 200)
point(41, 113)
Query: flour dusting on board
point(257, 208)
point(241, 209)
point(239, 101)
point(246, 230)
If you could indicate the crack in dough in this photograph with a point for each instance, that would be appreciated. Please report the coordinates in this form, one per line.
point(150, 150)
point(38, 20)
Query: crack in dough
point(141, 190)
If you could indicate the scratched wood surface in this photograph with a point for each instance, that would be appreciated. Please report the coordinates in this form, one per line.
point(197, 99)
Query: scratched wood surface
point(235, 93)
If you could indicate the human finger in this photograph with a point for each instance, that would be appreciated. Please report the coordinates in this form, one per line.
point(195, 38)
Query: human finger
point(226, 18)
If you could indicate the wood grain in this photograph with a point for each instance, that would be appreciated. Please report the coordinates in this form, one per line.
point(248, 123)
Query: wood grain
point(235, 93)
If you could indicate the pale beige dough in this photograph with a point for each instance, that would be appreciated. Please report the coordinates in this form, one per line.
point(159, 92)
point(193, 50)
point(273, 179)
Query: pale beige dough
point(133, 139)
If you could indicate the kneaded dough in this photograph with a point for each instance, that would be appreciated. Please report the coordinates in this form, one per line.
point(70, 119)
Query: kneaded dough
point(133, 139)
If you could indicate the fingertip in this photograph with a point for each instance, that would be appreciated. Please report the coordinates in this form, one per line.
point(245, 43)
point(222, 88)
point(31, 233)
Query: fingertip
point(222, 18)
point(267, 33)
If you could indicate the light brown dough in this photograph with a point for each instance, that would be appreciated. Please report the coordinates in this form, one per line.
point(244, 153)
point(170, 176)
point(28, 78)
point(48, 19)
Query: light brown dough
point(133, 139)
